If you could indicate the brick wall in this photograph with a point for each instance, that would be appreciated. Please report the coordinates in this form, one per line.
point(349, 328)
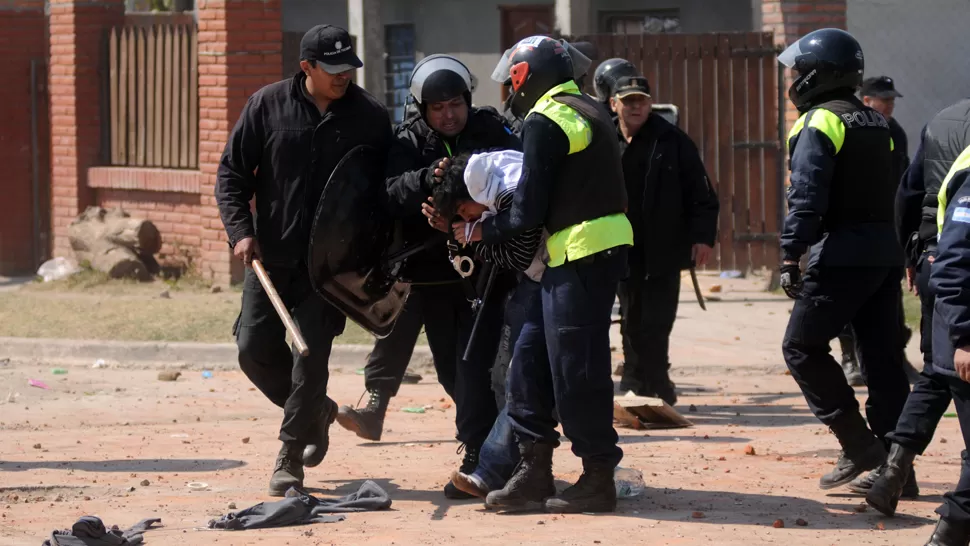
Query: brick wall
point(789, 20)
point(239, 52)
point(23, 37)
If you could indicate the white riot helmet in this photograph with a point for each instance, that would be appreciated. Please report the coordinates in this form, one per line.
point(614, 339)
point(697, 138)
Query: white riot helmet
point(439, 78)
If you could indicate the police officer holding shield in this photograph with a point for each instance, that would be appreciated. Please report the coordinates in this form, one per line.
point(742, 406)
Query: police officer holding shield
point(841, 206)
point(283, 149)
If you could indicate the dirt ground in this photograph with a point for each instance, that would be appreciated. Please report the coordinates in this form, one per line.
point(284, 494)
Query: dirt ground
point(85, 446)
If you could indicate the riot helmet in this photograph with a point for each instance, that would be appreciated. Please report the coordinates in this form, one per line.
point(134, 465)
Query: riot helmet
point(608, 72)
point(531, 68)
point(824, 60)
point(438, 78)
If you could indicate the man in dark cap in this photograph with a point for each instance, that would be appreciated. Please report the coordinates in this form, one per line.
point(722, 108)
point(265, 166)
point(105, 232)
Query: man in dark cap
point(289, 138)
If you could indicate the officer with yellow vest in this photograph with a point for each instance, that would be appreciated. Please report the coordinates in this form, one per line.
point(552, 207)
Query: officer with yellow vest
point(949, 279)
point(840, 205)
point(572, 183)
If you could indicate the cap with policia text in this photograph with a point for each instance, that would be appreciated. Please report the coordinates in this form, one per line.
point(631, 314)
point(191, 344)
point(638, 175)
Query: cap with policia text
point(631, 85)
point(881, 87)
point(331, 47)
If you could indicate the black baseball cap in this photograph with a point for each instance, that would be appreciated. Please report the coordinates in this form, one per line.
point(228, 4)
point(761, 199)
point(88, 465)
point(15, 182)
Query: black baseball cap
point(881, 87)
point(331, 47)
point(631, 85)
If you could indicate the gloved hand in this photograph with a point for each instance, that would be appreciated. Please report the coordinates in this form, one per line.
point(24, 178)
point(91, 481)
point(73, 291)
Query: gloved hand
point(791, 279)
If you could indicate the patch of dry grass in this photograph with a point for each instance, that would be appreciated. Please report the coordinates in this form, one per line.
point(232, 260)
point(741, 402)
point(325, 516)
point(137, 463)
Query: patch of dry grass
point(91, 306)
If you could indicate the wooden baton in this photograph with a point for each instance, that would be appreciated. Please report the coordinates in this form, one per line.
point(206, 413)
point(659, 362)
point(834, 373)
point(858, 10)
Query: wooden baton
point(280, 308)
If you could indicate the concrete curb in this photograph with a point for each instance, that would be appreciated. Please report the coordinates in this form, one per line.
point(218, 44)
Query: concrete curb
point(151, 354)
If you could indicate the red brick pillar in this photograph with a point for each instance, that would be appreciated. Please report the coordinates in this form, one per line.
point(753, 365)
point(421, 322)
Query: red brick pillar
point(789, 20)
point(23, 40)
point(239, 52)
point(78, 33)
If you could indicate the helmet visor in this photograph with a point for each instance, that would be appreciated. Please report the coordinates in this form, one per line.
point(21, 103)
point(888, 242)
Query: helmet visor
point(428, 66)
point(789, 55)
point(581, 62)
point(502, 73)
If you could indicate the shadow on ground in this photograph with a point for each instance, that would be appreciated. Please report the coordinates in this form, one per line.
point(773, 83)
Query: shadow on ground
point(126, 465)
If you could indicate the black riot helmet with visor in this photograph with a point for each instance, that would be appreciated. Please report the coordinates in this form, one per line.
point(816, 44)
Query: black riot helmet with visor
point(531, 68)
point(824, 61)
point(608, 73)
point(439, 78)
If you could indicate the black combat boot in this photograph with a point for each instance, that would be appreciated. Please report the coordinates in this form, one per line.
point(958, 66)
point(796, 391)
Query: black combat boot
point(367, 423)
point(594, 492)
point(664, 389)
point(468, 465)
point(314, 453)
point(896, 476)
point(530, 484)
point(861, 451)
point(950, 533)
point(288, 471)
point(863, 484)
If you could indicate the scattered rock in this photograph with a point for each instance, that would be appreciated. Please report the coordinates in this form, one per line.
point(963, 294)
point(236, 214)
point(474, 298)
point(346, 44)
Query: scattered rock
point(779, 458)
point(37, 446)
point(778, 524)
point(215, 289)
point(165, 295)
point(231, 506)
point(245, 440)
point(168, 375)
point(722, 458)
point(942, 440)
point(706, 437)
point(698, 515)
point(198, 419)
point(801, 523)
point(131, 489)
point(692, 408)
point(87, 498)
point(749, 450)
point(59, 498)
point(540, 522)
point(145, 483)
point(860, 508)
point(881, 526)
point(715, 288)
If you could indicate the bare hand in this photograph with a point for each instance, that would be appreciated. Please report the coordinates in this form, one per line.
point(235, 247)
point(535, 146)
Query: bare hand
point(911, 280)
point(246, 249)
point(961, 361)
point(439, 172)
point(458, 229)
point(700, 253)
point(435, 220)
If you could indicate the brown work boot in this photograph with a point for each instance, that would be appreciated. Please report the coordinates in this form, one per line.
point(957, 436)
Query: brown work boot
point(367, 422)
point(594, 492)
point(288, 471)
point(314, 453)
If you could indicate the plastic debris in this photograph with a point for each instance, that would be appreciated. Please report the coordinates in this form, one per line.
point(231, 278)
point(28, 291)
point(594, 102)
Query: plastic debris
point(57, 268)
point(413, 410)
point(197, 486)
point(733, 274)
point(99, 363)
point(59, 371)
point(38, 384)
point(206, 374)
point(628, 482)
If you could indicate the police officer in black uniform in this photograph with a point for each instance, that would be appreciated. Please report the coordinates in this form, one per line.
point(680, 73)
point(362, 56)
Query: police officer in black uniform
point(841, 206)
point(289, 138)
point(941, 142)
point(447, 126)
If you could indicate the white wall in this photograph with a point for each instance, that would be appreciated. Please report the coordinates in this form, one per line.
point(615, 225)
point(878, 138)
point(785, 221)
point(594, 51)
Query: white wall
point(923, 46)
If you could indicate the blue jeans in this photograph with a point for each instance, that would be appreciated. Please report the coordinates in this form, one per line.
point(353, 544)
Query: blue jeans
point(500, 453)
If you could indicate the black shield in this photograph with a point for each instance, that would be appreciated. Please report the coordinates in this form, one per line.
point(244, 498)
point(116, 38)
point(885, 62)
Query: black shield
point(350, 240)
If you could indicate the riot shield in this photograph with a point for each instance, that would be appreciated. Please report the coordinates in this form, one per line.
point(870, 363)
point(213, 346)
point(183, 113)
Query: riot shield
point(349, 243)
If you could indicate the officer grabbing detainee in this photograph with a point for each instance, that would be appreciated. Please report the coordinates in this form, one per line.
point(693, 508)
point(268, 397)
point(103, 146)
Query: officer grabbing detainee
point(917, 206)
point(673, 210)
point(448, 125)
point(289, 137)
point(572, 183)
point(949, 278)
point(841, 205)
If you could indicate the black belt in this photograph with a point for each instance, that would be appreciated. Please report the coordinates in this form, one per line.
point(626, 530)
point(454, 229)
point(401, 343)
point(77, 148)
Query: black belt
point(603, 254)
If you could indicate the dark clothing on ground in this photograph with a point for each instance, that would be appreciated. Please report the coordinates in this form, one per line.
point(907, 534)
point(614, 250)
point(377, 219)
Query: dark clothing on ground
point(300, 508)
point(868, 298)
point(282, 151)
point(649, 308)
point(388, 362)
point(296, 383)
point(90, 531)
point(672, 205)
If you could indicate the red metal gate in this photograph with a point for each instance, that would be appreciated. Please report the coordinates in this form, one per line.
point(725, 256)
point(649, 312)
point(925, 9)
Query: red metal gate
point(726, 87)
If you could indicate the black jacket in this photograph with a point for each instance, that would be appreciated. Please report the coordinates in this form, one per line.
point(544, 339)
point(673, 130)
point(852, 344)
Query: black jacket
point(282, 151)
point(900, 151)
point(414, 149)
point(672, 205)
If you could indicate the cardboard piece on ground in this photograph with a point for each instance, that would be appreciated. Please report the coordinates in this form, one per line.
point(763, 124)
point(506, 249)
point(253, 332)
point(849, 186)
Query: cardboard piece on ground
point(641, 412)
